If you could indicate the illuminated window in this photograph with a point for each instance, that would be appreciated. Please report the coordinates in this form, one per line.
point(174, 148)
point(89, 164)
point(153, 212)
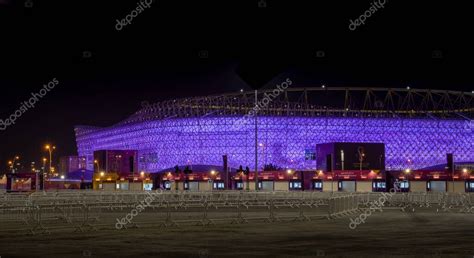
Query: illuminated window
point(148, 186)
point(167, 185)
point(318, 185)
point(404, 185)
point(295, 185)
point(309, 154)
point(239, 185)
point(218, 185)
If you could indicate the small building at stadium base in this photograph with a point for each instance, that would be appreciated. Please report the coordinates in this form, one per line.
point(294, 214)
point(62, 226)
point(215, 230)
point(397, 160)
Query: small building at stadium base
point(348, 181)
point(335, 181)
point(21, 182)
point(459, 181)
point(346, 167)
point(33, 181)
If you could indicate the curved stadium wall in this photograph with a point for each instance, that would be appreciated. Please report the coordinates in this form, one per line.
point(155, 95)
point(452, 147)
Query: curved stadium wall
point(286, 141)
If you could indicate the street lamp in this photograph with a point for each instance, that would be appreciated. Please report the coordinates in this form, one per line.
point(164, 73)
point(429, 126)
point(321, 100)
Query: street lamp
point(97, 163)
point(10, 163)
point(50, 149)
point(213, 173)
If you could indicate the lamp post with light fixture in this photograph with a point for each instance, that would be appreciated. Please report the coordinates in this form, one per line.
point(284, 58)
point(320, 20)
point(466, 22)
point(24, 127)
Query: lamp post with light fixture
point(213, 175)
point(289, 172)
point(44, 172)
point(50, 149)
point(10, 163)
point(407, 172)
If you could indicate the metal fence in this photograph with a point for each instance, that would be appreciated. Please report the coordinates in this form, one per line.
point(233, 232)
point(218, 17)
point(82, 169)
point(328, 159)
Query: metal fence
point(43, 212)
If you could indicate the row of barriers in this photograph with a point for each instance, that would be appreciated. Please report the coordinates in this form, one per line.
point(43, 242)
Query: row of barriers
point(43, 212)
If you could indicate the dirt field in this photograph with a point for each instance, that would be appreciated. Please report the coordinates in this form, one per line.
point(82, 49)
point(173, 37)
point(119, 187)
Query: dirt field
point(388, 234)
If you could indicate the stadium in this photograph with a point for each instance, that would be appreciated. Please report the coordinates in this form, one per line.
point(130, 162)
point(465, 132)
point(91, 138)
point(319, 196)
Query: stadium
point(418, 128)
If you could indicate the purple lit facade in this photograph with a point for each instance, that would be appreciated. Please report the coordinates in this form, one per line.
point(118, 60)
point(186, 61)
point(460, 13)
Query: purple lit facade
point(287, 141)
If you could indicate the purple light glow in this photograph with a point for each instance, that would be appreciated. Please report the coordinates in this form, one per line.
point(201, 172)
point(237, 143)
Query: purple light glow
point(162, 144)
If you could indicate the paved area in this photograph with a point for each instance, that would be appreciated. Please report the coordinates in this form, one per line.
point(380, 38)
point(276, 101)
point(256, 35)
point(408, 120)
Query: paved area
point(389, 234)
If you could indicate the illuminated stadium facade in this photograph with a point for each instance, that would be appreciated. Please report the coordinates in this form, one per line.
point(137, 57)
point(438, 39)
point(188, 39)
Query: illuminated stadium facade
point(418, 128)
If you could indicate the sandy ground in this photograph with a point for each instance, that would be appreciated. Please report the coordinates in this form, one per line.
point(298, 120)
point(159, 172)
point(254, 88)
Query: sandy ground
point(388, 234)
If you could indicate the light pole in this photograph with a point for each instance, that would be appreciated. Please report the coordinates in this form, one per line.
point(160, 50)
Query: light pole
point(44, 172)
point(256, 140)
point(50, 149)
point(289, 172)
point(332, 182)
point(342, 159)
point(10, 163)
point(97, 163)
point(213, 173)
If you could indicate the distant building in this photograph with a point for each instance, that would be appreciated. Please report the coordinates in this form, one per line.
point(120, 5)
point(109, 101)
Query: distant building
point(111, 166)
point(68, 164)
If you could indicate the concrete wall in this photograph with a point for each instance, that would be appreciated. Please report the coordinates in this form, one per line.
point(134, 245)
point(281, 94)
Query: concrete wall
point(327, 186)
point(135, 186)
point(108, 186)
point(364, 186)
point(173, 186)
point(281, 186)
point(459, 187)
point(205, 186)
point(417, 186)
point(125, 185)
point(251, 185)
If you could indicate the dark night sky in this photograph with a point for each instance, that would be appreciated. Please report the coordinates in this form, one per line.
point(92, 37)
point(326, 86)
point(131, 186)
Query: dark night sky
point(157, 56)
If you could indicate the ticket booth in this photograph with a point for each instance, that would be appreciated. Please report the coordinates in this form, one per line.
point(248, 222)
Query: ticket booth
point(266, 185)
point(379, 186)
point(191, 186)
point(167, 185)
point(317, 185)
point(436, 186)
point(346, 186)
point(123, 185)
point(469, 186)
